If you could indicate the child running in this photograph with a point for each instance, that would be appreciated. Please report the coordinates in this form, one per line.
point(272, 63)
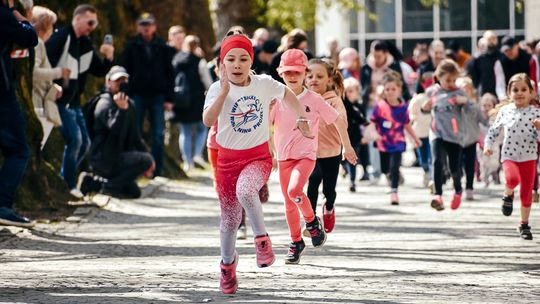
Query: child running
point(488, 166)
point(323, 78)
point(240, 103)
point(446, 103)
point(520, 122)
point(296, 154)
point(391, 119)
point(420, 122)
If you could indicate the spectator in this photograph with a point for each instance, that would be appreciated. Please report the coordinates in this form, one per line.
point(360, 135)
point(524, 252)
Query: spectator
point(176, 37)
point(260, 36)
point(118, 154)
point(14, 29)
point(147, 60)
point(481, 68)
point(43, 20)
point(426, 70)
point(536, 57)
point(296, 39)
point(420, 55)
point(71, 48)
point(263, 57)
point(332, 51)
point(513, 61)
point(349, 63)
point(461, 57)
point(191, 127)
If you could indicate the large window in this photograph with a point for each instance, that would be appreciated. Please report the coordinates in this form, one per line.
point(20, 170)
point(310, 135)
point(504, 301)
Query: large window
point(416, 17)
point(380, 16)
point(455, 15)
point(493, 14)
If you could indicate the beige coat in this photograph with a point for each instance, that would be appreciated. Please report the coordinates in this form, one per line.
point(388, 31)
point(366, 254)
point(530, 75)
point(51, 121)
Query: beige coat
point(43, 75)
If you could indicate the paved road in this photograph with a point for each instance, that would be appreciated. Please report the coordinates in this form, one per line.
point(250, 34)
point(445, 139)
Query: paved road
point(165, 249)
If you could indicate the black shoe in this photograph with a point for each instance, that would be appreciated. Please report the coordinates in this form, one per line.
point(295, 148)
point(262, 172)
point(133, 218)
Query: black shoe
point(295, 251)
point(315, 229)
point(508, 204)
point(525, 231)
point(365, 177)
point(8, 217)
point(352, 188)
point(88, 184)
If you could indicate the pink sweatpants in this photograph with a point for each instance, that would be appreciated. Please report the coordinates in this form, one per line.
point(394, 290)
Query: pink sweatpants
point(293, 175)
point(521, 173)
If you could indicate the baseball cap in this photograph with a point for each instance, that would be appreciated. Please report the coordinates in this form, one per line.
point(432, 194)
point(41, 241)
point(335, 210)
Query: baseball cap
point(270, 46)
point(116, 72)
point(293, 60)
point(507, 43)
point(146, 18)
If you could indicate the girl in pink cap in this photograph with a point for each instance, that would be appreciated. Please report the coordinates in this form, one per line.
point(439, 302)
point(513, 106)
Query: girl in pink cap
point(296, 154)
point(240, 103)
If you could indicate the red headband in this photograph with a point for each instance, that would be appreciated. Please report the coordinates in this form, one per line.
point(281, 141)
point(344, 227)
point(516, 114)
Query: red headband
point(236, 42)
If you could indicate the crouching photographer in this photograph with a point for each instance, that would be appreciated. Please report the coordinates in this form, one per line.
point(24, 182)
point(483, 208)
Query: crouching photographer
point(118, 155)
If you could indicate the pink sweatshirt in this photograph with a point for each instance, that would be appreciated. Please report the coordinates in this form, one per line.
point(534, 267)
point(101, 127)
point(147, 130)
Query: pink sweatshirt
point(329, 141)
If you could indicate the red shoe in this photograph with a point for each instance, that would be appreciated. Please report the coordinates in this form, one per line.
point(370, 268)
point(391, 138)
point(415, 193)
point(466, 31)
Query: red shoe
point(329, 219)
point(265, 255)
point(264, 194)
point(228, 283)
point(456, 201)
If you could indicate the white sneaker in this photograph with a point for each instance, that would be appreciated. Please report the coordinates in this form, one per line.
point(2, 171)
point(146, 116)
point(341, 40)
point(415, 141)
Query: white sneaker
point(469, 195)
point(425, 182)
point(76, 193)
point(186, 167)
point(198, 160)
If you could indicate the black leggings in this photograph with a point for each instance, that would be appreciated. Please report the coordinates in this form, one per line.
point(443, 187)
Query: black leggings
point(441, 150)
point(469, 159)
point(390, 163)
point(326, 170)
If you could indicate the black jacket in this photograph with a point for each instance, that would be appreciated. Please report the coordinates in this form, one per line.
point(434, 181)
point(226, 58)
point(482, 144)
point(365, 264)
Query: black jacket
point(65, 50)
point(481, 70)
point(149, 75)
point(189, 64)
point(425, 68)
point(115, 131)
point(519, 65)
point(12, 32)
point(355, 120)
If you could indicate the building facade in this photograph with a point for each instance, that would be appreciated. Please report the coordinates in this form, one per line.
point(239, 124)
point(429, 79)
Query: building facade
point(407, 22)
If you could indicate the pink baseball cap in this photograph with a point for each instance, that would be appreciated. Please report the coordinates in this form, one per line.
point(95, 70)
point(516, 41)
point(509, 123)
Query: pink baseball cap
point(293, 60)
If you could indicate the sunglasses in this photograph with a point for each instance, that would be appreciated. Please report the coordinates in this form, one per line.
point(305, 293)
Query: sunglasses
point(92, 23)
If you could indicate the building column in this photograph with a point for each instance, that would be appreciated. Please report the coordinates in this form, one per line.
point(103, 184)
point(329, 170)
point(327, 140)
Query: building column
point(532, 22)
point(331, 22)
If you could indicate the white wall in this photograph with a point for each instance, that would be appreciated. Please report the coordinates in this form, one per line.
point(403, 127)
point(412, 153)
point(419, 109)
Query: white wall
point(333, 21)
point(532, 19)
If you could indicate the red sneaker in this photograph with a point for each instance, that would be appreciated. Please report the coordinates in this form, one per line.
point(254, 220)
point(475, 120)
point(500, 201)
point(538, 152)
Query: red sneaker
point(329, 219)
point(228, 283)
point(456, 201)
point(265, 255)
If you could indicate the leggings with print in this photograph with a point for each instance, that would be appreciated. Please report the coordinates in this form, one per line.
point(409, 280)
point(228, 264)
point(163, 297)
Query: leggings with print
point(293, 175)
point(239, 177)
point(326, 171)
point(521, 174)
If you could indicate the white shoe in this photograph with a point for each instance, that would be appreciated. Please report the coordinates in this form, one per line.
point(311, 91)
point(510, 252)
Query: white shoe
point(76, 193)
point(186, 167)
point(425, 182)
point(198, 160)
point(469, 195)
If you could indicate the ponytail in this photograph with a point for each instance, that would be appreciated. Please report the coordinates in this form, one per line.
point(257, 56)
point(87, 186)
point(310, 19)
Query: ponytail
point(333, 73)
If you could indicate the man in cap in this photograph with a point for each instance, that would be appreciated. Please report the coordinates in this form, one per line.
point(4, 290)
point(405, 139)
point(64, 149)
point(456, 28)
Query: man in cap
point(147, 59)
point(513, 61)
point(118, 155)
point(481, 68)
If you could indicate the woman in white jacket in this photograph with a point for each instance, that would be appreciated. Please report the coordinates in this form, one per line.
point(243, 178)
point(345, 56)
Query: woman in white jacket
point(43, 20)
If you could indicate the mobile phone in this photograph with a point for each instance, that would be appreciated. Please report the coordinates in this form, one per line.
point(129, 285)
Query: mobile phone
point(108, 39)
point(124, 87)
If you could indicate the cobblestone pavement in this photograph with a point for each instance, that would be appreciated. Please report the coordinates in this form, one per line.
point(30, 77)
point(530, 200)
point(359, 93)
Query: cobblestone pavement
point(165, 249)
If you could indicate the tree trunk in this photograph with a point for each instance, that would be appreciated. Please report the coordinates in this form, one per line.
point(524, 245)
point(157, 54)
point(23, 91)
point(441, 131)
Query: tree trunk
point(237, 12)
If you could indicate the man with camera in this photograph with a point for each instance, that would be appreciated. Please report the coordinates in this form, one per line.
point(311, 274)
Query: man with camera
point(70, 47)
point(118, 154)
point(14, 29)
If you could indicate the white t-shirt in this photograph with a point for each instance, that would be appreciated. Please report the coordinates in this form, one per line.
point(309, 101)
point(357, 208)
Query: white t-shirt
point(244, 120)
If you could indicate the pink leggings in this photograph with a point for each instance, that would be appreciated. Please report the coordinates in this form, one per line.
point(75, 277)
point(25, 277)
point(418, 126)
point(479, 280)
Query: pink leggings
point(521, 173)
point(293, 175)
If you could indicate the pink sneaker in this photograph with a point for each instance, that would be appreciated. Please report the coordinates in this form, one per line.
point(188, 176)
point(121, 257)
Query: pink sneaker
point(265, 255)
point(456, 201)
point(437, 203)
point(394, 198)
point(228, 283)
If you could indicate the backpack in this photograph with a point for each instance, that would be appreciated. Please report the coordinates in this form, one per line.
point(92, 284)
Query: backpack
point(181, 96)
point(88, 110)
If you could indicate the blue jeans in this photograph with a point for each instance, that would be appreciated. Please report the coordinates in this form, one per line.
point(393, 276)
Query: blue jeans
point(374, 157)
point(14, 149)
point(188, 136)
point(154, 105)
point(77, 142)
point(424, 155)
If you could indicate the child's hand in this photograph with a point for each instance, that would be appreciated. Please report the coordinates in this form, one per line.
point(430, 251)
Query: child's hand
point(350, 155)
point(224, 80)
point(461, 100)
point(302, 124)
point(488, 152)
point(417, 143)
point(274, 164)
point(536, 124)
